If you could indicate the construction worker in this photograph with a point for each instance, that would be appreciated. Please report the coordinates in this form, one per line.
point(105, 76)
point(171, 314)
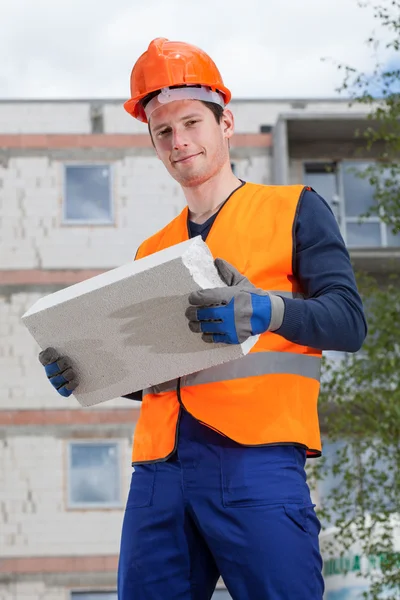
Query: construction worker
point(219, 486)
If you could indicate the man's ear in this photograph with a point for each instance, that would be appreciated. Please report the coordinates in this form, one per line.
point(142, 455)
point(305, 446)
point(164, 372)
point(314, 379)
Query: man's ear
point(228, 123)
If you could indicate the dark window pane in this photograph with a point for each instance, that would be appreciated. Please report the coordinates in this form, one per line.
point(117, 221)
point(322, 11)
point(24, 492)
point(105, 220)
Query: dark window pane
point(87, 193)
point(358, 192)
point(94, 474)
point(363, 235)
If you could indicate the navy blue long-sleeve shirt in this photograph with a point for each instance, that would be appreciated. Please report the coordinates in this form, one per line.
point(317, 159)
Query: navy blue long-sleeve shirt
point(331, 316)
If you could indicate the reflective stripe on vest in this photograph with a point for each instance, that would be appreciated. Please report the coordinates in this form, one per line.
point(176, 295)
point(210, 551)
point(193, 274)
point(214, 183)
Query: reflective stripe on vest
point(260, 363)
point(251, 365)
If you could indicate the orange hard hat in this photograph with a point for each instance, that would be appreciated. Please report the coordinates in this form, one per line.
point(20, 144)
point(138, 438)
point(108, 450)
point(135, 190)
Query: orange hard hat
point(166, 64)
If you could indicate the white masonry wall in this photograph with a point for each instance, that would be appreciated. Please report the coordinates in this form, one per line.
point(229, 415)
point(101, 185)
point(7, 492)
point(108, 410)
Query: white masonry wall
point(36, 520)
point(32, 590)
point(44, 117)
point(32, 231)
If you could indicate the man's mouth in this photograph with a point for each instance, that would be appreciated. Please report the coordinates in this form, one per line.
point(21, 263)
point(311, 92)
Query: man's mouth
point(186, 158)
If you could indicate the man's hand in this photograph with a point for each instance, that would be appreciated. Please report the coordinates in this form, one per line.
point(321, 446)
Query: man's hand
point(232, 314)
point(59, 371)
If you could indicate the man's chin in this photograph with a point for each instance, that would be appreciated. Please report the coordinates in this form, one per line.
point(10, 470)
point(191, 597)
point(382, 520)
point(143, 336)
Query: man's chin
point(191, 179)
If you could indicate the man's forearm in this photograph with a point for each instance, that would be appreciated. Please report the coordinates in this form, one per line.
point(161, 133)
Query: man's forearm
point(332, 322)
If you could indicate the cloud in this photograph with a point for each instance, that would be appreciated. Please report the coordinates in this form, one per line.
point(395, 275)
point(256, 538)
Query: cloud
point(263, 48)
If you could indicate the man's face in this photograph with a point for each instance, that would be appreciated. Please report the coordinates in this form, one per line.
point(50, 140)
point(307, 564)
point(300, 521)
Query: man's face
point(189, 141)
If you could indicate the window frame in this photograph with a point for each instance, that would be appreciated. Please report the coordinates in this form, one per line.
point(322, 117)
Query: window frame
point(88, 222)
point(347, 219)
point(342, 217)
point(73, 506)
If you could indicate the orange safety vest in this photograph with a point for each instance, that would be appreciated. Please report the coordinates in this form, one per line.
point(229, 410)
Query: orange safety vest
point(270, 395)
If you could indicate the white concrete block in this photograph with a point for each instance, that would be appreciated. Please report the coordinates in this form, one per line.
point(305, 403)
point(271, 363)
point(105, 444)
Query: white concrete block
point(126, 329)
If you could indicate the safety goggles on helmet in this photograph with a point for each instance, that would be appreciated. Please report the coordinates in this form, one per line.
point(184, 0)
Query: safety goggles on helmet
point(168, 94)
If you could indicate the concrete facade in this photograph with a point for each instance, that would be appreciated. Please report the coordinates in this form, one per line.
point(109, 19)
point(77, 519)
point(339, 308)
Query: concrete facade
point(50, 546)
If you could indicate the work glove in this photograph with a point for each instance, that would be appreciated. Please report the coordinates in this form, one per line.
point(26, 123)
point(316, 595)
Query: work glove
point(59, 371)
point(232, 314)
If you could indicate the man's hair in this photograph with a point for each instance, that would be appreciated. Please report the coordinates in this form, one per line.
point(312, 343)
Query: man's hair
point(216, 109)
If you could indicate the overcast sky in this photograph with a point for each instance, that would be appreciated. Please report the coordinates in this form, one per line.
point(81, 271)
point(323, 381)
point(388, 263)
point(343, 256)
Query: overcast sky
point(263, 48)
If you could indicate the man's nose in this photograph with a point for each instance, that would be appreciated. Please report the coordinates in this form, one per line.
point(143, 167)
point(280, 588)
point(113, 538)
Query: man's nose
point(179, 140)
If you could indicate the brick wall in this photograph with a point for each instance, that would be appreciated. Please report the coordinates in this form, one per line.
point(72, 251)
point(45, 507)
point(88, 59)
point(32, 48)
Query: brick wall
point(36, 520)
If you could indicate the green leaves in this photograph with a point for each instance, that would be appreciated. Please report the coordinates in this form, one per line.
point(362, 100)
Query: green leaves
point(360, 404)
point(360, 399)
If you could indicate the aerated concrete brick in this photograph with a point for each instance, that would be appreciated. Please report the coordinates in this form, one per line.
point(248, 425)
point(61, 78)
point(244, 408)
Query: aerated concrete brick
point(126, 329)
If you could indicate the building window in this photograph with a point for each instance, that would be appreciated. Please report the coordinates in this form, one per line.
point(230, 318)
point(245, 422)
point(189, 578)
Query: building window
point(93, 595)
point(88, 195)
point(349, 197)
point(94, 478)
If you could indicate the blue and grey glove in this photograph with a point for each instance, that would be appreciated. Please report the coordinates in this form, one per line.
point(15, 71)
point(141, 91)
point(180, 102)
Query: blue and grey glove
point(232, 314)
point(59, 371)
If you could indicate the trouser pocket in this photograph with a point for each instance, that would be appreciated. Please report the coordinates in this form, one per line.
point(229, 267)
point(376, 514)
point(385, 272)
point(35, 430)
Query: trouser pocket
point(142, 487)
point(261, 476)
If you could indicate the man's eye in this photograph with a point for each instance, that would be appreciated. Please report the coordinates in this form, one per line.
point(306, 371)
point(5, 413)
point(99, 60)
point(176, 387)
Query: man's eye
point(192, 122)
point(163, 132)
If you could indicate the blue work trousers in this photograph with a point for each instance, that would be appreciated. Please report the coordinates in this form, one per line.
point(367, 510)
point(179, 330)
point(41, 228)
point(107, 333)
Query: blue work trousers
point(219, 508)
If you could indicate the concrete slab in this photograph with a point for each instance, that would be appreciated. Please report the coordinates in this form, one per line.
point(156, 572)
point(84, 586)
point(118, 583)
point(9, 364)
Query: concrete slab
point(126, 329)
